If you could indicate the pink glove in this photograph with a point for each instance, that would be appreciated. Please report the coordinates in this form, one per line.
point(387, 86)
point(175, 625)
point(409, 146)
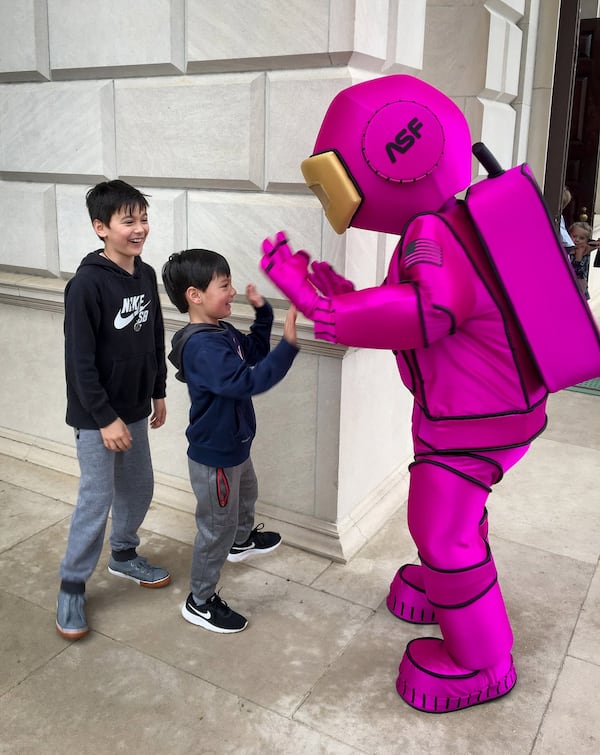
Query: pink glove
point(330, 283)
point(289, 272)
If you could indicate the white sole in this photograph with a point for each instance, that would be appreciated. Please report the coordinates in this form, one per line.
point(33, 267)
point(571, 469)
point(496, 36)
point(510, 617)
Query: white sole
point(198, 621)
point(236, 557)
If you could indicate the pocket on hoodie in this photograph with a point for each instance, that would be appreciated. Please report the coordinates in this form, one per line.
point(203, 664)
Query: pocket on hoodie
point(131, 380)
point(245, 424)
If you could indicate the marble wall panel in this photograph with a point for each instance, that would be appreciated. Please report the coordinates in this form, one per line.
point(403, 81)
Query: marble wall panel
point(503, 63)
point(168, 227)
point(28, 241)
point(538, 148)
point(371, 28)
point(525, 73)
point(456, 69)
point(512, 70)
point(284, 449)
point(238, 35)
point(334, 248)
point(375, 424)
point(494, 75)
point(76, 237)
point(297, 102)
point(24, 41)
point(199, 131)
point(139, 37)
point(235, 224)
point(363, 266)
point(407, 35)
point(514, 9)
point(327, 437)
point(168, 443)
point(546, 47)
point(522, 128)
point(33, 388)
point(167, 213)
point(341, 30)
point(498, 130)
point(57, 130)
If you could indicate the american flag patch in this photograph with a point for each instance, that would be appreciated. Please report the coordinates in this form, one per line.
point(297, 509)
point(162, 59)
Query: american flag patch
point(423, 250)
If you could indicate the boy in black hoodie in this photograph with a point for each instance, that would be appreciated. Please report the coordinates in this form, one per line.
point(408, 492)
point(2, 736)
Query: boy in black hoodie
point(116, 377)
point(223, 369)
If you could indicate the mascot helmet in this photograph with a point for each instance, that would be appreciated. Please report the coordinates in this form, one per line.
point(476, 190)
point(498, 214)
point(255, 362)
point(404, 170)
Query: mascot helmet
point(388, 149)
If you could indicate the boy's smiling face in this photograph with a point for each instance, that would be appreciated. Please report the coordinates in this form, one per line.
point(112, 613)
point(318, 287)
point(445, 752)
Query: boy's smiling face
point(125, 235)
point(214, 303)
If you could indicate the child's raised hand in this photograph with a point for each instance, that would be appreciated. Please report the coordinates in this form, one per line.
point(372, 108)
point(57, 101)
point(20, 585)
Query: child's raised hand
point(289, 326)
point(253, 296)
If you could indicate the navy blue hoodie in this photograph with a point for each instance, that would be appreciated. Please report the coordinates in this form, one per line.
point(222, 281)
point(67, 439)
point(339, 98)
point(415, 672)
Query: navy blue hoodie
point(223, 369)
point(114, 343)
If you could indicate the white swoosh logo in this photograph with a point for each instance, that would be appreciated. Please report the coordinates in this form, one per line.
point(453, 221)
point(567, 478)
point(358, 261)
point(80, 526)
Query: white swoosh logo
point(121, 322)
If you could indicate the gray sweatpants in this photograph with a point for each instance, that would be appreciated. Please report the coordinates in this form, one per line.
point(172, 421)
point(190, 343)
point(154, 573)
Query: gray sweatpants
point(225, 500)
point(122, 480)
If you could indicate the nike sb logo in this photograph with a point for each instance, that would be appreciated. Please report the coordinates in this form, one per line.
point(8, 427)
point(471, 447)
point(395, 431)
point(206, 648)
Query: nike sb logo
point(132, 307)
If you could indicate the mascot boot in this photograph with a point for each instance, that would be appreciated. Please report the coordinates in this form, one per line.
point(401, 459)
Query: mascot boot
point(406, 598)
point(472, 664)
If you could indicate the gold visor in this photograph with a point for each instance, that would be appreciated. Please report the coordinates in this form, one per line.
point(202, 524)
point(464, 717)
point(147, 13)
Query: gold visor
point(326, 176)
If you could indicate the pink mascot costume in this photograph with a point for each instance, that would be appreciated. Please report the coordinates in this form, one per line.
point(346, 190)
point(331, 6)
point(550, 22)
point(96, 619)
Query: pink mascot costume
point(473, 344)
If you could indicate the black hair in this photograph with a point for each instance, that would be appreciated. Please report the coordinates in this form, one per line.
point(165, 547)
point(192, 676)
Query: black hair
point(192, 267)
point(108, 197)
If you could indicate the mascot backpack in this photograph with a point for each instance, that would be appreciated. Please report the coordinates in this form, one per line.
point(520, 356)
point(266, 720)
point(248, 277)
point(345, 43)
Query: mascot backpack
point(554, 317)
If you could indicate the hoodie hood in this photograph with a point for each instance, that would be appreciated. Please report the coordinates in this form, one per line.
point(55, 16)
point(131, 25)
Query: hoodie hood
point(96, 259)
point(180, 339)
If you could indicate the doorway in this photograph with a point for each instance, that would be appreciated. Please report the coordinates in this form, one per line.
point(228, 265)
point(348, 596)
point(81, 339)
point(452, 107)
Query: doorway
point(581, 174)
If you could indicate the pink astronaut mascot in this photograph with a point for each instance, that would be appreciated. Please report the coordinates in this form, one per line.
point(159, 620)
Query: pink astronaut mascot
point(390, 156)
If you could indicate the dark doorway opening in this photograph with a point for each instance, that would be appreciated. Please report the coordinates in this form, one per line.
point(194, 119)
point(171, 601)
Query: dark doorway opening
point(574, 133)
point(584, 136)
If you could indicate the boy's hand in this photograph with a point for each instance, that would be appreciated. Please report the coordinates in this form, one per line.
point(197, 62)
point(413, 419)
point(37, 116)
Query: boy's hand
point(289, 326)
point(254, 297)
point(116, 436)
point(159, 415)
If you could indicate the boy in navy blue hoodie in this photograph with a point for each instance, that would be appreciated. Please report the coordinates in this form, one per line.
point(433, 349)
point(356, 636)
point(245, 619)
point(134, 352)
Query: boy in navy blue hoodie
point(223, 369)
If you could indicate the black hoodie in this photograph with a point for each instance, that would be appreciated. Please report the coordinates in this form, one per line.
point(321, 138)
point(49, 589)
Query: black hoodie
point(114, 343)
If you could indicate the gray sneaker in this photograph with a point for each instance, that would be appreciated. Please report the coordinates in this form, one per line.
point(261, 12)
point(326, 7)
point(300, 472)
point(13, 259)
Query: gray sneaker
point(70, 615)
point(140, 571)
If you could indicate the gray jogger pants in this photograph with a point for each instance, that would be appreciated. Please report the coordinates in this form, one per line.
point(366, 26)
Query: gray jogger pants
point(225, 499)
point(122, 480)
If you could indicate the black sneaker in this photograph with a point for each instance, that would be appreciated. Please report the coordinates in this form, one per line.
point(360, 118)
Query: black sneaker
point(214, 615)
point(258, 542)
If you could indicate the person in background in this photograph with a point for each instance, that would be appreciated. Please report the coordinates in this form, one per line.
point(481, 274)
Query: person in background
point(581, 233)
point(566, 240)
